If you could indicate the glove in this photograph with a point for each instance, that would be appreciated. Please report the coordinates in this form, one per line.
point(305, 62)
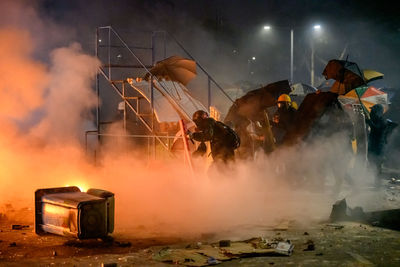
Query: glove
point(190, 135)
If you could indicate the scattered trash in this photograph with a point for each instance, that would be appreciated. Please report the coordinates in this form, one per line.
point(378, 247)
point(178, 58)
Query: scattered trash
point(19, 227)
point(385, 218)
point(394, 181)
point(335, 226)
point(54, 253)
point(285, 248)
point(112, 264)
point(194, 245)
point(224, 243)
point(319, 254)
point(212, 261)
point(310, 246)
point(306, 233)
point(12, 244)
point(210, 254)
point(123, 244)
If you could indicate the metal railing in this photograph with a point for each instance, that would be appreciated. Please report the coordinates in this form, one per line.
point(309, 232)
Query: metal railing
point(106, 71)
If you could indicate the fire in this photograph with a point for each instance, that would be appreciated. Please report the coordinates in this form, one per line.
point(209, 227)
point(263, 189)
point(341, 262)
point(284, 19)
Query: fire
point(82, 186)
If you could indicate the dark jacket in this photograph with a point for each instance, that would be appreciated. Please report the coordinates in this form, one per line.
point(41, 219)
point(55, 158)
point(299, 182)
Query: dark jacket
point(377, 134)
point(220, 137)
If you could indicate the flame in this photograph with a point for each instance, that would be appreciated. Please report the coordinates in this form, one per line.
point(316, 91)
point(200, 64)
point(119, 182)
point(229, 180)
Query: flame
point(81, 185)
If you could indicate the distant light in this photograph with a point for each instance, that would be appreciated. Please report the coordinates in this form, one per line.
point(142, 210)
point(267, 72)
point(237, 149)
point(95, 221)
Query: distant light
point(267, 27)
point(119, 56)
point(99, 40)
point(317, 27)
point(253, 58)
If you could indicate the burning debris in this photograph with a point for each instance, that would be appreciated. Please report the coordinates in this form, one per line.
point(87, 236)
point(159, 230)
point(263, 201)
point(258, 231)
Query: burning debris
point(67, 211)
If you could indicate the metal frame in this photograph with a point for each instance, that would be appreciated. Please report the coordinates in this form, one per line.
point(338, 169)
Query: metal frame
point(106, 71)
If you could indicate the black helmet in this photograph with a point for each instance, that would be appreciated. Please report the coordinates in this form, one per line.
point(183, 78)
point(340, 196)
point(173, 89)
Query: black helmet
point(199, 115)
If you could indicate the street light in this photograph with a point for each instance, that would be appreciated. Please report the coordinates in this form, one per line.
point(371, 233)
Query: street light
point(317, 28)
point(267, 27)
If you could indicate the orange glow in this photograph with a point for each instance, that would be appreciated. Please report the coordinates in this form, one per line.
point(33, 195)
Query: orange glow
point(82, 186)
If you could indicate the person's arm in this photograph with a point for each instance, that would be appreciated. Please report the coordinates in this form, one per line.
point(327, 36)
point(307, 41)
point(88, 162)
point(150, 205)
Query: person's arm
point(206, 134)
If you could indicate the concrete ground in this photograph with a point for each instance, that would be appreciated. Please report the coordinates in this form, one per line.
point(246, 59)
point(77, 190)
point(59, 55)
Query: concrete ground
point(334, 244)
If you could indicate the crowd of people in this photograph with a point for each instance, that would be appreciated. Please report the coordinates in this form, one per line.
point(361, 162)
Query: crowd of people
point(224, 140)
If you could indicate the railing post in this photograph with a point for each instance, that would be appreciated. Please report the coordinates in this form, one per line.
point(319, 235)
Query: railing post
point(124, 98)
point(97, 84)
point(209, 92)
point(152, 94)
point(109, 53)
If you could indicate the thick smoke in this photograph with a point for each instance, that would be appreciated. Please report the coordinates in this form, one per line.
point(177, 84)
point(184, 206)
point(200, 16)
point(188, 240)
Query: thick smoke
point(151, 196)
point(69, 97)
point(23, 79)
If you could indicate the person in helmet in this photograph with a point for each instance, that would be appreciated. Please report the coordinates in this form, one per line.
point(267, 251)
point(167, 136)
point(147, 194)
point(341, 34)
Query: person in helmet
point(283, 118)
point(223, 139)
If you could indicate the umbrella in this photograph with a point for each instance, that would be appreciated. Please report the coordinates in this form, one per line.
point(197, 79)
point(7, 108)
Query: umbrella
point(174, 68)
point(368, 95)
point(347, 75)
point(326, 86)
point(372, 75)
point(252, 105)
point(302, 89)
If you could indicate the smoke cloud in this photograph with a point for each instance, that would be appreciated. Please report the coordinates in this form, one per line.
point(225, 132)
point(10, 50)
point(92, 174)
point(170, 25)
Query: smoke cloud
point(22, 79)
point(69, 98)
point(153, 196)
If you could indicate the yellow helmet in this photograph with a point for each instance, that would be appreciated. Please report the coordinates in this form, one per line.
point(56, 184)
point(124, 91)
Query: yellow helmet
point(294, 105)
point(284, 98)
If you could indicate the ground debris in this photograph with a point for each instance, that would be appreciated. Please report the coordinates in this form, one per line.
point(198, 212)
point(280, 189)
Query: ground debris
point(123, 244)
point(310, 246)
point(210, 254)
point(335, 226)
point(19, 227)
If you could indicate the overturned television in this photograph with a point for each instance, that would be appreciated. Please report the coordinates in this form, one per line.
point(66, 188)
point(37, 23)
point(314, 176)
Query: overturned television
point(69, 212)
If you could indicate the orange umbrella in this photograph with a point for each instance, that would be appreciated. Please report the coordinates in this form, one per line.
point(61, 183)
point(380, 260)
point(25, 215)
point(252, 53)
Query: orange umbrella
point(347, 75)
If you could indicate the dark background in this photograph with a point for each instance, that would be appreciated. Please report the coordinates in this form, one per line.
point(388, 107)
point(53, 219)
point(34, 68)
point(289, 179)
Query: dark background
point(224, 35)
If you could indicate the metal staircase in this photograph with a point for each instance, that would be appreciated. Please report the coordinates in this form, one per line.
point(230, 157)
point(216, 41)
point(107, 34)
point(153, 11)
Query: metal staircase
point(126, 54)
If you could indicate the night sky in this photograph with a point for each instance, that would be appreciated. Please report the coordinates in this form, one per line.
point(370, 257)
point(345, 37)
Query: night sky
point(224, 35)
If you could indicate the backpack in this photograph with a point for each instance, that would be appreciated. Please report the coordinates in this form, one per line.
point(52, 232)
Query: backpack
point(232, 137)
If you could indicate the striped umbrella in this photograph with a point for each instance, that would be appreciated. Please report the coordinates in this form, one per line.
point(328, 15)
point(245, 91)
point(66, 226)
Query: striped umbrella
point(368, 95)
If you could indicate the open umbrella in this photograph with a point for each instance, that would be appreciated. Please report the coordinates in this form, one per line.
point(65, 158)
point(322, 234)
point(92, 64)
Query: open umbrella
point(252, 104)
point(372, 75)
point(368, 95)
point(175, 68)
point(347, 75)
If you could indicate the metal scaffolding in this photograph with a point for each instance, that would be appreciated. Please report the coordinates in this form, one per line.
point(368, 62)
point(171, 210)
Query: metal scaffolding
point(126, 54)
